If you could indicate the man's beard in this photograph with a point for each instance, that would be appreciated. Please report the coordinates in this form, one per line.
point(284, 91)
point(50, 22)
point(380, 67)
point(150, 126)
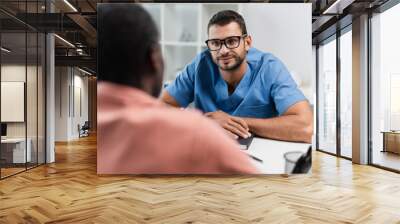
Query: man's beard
point(237, 62)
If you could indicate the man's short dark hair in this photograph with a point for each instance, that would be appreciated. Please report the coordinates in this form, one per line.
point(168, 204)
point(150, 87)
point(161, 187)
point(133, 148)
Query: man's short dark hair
point(126, 35)
point(225, 17)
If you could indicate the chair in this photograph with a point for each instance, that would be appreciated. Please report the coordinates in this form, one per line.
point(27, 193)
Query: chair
point(84, 130)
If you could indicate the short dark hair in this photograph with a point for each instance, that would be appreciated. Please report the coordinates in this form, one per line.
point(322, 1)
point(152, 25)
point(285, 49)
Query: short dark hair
point(126, 35)
point(225, 17)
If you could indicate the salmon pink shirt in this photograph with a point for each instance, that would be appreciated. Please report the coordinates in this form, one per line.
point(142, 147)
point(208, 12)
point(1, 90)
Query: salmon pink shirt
point(138, 134)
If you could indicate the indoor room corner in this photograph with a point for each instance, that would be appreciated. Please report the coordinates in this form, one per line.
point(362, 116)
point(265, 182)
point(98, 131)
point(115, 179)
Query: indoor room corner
point(348, 70)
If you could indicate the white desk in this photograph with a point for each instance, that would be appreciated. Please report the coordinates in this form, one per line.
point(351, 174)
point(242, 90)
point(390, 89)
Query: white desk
point(18, 149)
point(271, 152)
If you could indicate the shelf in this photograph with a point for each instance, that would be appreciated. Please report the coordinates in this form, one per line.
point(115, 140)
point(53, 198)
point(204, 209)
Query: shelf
point(181, 22)
point(176, 58)
point(183, 30)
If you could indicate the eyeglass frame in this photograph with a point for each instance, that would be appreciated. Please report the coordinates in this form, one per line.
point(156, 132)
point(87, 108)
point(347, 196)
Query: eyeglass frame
point(223, 41)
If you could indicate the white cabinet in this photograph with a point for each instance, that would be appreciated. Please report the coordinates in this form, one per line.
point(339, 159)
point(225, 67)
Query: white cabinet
point(183, 30)
point(15, 147)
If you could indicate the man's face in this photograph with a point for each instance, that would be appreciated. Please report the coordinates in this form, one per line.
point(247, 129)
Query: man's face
point(229, 59)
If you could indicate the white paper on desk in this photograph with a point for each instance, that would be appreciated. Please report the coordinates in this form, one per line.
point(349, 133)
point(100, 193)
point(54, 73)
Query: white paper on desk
point(271, 152)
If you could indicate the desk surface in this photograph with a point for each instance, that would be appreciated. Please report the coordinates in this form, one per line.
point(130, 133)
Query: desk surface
point(271, 152)
point(390, 132)
point(13, 140)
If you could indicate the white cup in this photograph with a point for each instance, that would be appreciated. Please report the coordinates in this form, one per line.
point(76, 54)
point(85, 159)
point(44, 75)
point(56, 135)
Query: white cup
point(290, 160)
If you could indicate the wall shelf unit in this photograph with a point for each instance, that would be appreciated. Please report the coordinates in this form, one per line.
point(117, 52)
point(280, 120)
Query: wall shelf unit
point(183, 29)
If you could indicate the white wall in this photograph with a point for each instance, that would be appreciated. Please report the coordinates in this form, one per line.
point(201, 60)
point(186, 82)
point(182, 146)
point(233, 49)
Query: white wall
point(82, 83)
point(284, 30)
point(13, 72)
point(71, 93)
point(12, 101)
point(62, 81)
point(16, 72)
point(80, 102)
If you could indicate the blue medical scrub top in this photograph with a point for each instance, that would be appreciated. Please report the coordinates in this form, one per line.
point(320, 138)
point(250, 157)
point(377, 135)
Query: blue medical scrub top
point(266, 89)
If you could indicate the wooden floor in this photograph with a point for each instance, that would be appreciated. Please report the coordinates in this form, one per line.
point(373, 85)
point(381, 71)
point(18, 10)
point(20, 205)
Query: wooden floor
point(10, 171)
point(69, 191)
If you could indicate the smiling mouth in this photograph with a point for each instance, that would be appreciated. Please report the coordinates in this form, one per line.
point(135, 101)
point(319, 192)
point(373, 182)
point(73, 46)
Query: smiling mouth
point(225, 59)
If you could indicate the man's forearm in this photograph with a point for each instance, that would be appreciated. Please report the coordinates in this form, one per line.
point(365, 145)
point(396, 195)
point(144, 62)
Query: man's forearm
point(288, 128)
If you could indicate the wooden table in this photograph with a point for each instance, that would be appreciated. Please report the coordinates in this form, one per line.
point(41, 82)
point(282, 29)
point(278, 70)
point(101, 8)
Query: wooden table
point(391, 141)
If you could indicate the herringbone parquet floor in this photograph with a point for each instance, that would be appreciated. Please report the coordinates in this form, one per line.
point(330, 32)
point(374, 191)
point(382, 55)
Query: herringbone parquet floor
point(69, 191)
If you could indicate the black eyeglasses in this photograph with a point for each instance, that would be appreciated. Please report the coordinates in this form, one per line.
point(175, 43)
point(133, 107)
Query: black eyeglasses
point(229, 42)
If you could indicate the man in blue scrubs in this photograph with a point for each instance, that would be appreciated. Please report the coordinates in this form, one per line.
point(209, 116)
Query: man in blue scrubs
point(243, 89)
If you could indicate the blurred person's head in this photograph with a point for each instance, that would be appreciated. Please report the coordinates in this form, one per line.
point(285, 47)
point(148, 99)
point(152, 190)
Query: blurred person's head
point(229, 26)
point(129, 53)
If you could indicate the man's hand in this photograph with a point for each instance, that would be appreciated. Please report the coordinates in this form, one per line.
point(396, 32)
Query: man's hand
point(234, 125)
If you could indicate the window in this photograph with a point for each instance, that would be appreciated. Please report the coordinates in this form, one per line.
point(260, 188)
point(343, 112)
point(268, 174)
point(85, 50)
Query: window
point(22, 76)
point(327, 97)
point(346, 94)
point(385, 88)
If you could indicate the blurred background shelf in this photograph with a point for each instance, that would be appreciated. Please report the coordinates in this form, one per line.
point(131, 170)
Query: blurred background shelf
point(184, 39)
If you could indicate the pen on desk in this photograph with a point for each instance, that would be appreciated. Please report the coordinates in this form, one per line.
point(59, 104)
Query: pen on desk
point(255, 158)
